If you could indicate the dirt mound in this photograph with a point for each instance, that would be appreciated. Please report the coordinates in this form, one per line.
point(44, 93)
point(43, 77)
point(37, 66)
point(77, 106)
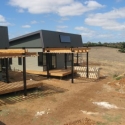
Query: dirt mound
point(85, 121)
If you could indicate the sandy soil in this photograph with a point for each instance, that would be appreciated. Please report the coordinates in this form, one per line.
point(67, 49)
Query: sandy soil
point(85, 102)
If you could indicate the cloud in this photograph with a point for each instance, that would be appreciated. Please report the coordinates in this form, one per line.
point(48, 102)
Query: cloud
point(3, 21)
point(60, 7)
point(108, 20)
point(26, 26)
point(92, 35)
point(34, 22)
point(86, 32)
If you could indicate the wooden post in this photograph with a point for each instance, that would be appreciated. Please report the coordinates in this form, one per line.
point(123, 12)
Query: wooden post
point(87, 67)
point(7, 72)
point(24, 75)
point(72, 65)
point(77, 59)
point(65, 60)
point(47, 64)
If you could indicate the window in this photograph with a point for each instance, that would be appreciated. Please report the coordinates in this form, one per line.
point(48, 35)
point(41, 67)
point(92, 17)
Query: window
point(19, 60)
point(10, 61)
point(64, 38)
point(41, 59)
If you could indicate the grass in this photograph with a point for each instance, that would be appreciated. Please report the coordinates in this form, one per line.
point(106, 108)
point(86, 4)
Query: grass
point(112, 118)
point(118, 78)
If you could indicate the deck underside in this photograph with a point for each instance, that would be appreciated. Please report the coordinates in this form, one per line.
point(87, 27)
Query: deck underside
point(55, 72)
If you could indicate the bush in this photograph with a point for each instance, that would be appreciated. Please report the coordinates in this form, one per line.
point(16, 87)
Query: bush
point(122, 50)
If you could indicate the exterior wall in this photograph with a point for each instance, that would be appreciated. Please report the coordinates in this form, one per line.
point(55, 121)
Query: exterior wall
point(4, 40)
point(31, 62)
point(52, 39)
point(31, 41)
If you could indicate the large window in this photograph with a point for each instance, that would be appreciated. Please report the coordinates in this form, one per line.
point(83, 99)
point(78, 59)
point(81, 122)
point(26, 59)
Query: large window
point(19, 60)
point(64, 38)
point(41, 59)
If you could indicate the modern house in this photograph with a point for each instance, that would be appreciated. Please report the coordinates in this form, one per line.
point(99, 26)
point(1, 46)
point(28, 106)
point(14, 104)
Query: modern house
point(39, 41)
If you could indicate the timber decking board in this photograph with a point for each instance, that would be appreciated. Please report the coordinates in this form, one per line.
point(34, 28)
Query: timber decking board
point(17, 86)
point(56, 72)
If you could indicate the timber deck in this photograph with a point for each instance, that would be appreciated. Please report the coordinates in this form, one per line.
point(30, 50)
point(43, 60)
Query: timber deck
point(55, 72)
point(17, 86)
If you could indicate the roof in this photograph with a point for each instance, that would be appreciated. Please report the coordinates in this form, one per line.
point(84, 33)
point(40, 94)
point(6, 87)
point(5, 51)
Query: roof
point(46, 38)
point(9, 53)
point(26, 35)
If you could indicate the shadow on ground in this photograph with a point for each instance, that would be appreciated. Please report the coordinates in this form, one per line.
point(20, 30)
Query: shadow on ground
point(42, 91)
point(1, 123)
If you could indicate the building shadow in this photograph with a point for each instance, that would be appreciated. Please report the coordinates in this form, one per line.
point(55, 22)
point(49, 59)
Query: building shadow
point(1, 123)
point(33, 93)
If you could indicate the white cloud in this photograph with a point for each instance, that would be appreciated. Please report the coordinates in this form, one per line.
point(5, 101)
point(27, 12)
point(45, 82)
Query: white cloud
point(62, 27)
point(86, 32)
point(108, 20)
point(34, 22)
point(3, 21)
point(93, 4)
point(26, 26)
point(89, 34)
point(60, 7)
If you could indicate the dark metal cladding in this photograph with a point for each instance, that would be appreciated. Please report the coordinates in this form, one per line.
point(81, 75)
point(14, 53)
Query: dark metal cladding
point(44, 38)
point(4, 39)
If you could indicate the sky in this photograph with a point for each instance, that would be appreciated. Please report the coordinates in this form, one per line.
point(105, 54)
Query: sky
point(96, 20)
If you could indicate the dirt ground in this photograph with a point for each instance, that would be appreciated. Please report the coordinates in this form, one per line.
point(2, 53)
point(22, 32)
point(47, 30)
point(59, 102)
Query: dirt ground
point(85, 102)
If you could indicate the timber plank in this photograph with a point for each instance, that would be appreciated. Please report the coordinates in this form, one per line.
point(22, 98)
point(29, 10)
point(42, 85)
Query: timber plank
point(17, 86)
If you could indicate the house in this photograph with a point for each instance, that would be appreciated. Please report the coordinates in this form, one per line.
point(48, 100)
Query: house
point(6, 56)
point(40, 40)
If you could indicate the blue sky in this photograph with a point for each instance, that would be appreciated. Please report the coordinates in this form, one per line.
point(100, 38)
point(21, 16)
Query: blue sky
point(95, 20)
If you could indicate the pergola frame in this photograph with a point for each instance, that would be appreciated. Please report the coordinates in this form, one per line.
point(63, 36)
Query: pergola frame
point(10, 53)
point(66, 51)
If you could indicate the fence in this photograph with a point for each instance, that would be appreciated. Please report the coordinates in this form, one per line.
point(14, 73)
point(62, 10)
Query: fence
point(94, 72)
